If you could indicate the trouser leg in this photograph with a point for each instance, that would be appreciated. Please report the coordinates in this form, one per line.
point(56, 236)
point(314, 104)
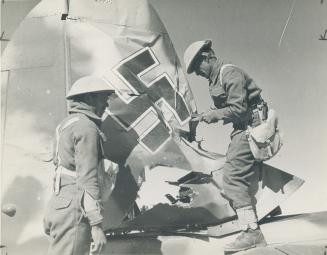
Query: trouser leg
point(69, 232)
point(74, 241)
point(240, 180)
point(239, 172)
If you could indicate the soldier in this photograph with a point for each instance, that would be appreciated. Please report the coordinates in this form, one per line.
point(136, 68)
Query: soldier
point(236, 98)
point(74, 215)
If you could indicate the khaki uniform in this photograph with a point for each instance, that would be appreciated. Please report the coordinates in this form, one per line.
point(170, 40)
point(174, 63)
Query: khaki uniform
point(79, 152)
point(234, 99)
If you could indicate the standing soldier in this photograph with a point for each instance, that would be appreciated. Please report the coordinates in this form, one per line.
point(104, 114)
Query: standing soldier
point(236, 98)
point(73, 215)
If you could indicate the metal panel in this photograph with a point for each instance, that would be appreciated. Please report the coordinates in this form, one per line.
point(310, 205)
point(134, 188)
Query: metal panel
point(32, 48)
point(35, 104)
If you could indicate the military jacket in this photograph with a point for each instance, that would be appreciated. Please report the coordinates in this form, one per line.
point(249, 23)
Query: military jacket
point(234, 96)
point(80, 150)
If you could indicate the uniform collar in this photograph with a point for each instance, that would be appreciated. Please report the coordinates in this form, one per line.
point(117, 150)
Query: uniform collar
point(81, 107)
point(215, 70)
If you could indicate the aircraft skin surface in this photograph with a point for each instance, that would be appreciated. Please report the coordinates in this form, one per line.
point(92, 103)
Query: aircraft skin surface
point(147, 125)
point(303, 234)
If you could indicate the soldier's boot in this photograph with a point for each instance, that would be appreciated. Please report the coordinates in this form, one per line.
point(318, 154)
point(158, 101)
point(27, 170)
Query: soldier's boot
point(251, 235)
point(246, 240)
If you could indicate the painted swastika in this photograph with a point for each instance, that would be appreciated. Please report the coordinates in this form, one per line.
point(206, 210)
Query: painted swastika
point(142, 116)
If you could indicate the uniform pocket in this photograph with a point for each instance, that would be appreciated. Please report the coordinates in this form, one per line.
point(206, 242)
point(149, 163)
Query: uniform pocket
point(218, 96)
point(60, 202)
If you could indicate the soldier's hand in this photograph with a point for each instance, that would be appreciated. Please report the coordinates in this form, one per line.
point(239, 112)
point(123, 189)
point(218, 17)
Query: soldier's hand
point(195, 118)
point(210, 116)
point(99, 239)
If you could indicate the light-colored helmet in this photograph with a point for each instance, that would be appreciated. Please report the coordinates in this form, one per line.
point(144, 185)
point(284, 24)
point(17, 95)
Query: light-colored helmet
point(89, 84)
point(193, 51)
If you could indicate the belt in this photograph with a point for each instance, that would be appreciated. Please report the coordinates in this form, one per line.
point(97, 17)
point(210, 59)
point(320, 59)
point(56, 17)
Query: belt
point(255, 119)
point(59, 171)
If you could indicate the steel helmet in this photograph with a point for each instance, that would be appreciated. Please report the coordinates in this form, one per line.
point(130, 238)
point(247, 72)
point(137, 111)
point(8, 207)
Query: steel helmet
point(193, 51)
point(89, 84)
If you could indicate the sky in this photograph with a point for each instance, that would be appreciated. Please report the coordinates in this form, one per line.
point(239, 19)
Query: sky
point(292, 73)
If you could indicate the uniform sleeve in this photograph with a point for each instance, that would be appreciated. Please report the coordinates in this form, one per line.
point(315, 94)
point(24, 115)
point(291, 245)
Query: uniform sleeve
point(86, 160)
point(234, 83)
point(92, 209)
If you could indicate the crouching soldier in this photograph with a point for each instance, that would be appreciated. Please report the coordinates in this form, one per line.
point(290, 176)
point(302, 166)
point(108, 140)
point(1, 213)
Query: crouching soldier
point(73, 216)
